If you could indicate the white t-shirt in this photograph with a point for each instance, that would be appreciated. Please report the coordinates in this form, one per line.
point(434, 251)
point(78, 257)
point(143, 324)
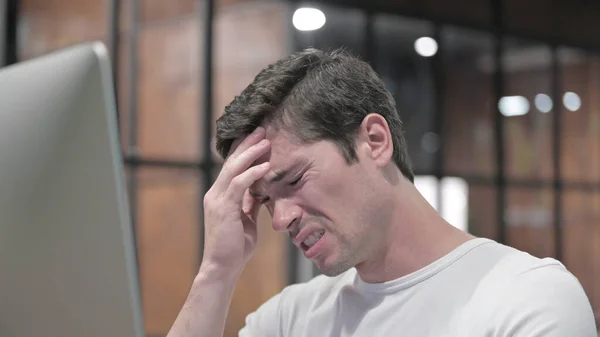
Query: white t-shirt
point(481, 289)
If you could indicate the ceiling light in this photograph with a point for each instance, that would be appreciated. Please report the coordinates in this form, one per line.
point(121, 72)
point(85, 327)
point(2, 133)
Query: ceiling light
point(511, 106)
point(426, 46)
point(306, 19)
point(543, 103)
point(572, 101)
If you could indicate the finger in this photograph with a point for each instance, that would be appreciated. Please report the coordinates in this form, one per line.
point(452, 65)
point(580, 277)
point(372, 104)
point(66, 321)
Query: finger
point(241, 183)
point(251, 206)
point(254, 210)
point(247, 203)
point(242, 144)
point(237, 165)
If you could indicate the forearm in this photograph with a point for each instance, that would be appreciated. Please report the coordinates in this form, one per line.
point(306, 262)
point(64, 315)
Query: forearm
point(205, 310)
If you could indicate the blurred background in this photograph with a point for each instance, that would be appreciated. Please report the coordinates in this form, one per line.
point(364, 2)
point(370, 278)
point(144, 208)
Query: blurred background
point(500, 100)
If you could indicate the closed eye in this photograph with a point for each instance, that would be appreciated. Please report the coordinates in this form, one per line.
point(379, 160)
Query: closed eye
point(295, 182)
point(260, 198)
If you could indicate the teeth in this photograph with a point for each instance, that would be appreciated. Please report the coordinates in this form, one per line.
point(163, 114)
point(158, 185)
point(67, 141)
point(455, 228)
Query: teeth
point(313, 238)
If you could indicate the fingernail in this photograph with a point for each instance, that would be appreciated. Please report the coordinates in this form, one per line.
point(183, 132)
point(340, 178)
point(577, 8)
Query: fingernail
point(258, 130)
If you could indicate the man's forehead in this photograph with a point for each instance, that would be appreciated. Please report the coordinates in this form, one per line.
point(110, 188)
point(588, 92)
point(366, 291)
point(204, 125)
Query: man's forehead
point(281, 141)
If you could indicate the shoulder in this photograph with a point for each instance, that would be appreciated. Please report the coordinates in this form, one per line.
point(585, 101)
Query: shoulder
point(531, 297)
point(287, 308)
point(300, 298)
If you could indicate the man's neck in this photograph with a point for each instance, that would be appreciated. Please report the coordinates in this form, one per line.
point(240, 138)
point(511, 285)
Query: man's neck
point(419, 238)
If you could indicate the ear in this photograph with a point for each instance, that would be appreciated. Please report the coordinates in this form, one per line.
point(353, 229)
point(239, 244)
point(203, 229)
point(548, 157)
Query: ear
point(375, 139)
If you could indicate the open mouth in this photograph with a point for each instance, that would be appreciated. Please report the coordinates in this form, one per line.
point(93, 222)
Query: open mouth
point(312, 240)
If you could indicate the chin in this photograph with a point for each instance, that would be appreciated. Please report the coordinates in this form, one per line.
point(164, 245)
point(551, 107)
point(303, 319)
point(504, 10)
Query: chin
point(334, 268)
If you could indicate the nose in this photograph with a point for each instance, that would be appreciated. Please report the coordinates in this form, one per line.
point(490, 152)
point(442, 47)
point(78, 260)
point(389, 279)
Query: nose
point(285, 213)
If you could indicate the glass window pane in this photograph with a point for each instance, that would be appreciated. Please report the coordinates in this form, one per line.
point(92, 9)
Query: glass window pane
point(225, 3)
point(168, 239)
point(455, 195)
point(595, 258)
point(258, 30)
point(124, 16)
point(527, 126)
point(158, 10)
point(452, 192)
point(469, 142)
point(470, 208)
point(45, 26)
point(483, 213)
point(580, 120)
point(169, 79)
point(580, 219)
point(122, 92)
point(409, 78)
point(530, 220)
point(428, 186)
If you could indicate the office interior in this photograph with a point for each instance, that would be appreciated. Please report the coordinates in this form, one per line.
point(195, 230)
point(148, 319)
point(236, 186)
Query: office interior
point(500, 101)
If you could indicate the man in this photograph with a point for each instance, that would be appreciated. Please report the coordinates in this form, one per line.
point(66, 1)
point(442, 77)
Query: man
point(317, 140)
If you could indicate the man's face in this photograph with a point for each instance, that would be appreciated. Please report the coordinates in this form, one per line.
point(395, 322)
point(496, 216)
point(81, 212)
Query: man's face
point(326, 205)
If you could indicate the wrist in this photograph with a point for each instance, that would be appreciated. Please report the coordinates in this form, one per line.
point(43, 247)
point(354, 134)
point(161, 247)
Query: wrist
point(213, 273)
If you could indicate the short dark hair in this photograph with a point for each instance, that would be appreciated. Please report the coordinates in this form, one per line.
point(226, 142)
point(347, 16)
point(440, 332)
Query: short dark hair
point(315, 95)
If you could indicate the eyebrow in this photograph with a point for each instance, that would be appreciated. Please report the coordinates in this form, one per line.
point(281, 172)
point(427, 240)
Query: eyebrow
point(279, 175)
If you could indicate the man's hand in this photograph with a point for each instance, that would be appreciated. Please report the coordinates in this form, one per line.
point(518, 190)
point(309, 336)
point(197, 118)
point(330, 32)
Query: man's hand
point(230, 238)
point(229, 211)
